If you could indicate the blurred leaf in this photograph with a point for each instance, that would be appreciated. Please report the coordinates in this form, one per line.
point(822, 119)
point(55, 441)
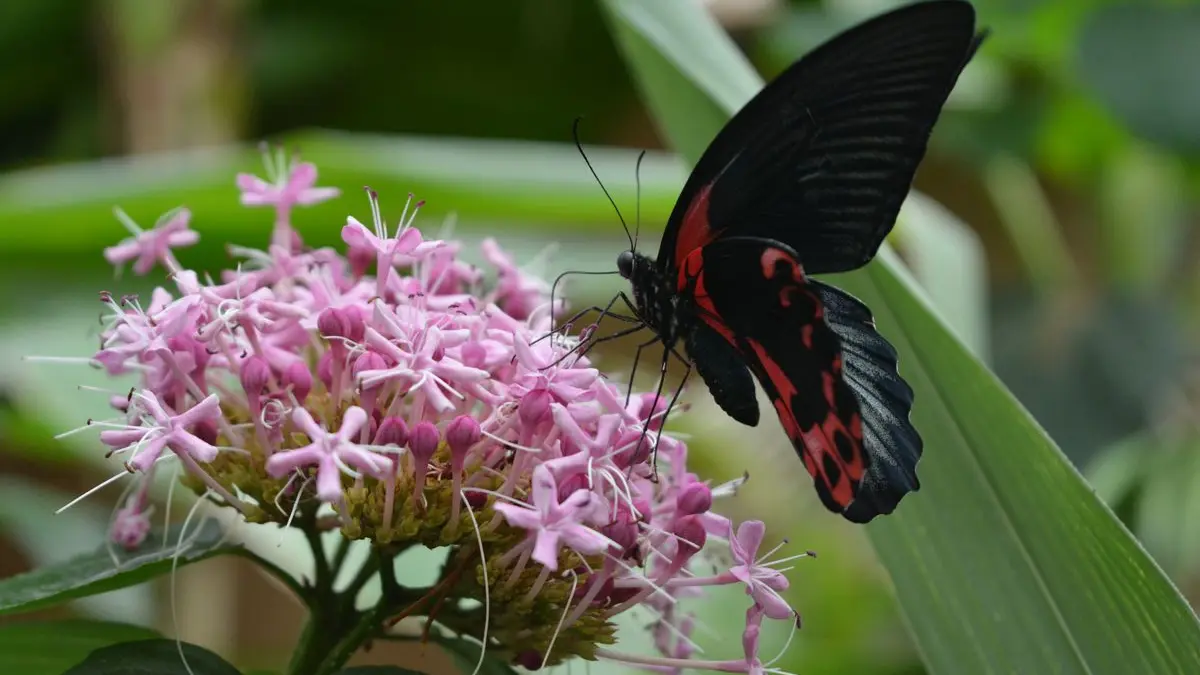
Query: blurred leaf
point(27, 517)
point(1005, 561)
point(1140, 61)
point(153, 657)
point(1117, 472)
point(465, 654)
point(378, 670)
point(1091, 369)
point(1168, 511)
point(106, 570)
point(51, 647)
point(538, 185)
point(1076, 138)
point(1141, 214)
point(1028, 217)
point(946, 257)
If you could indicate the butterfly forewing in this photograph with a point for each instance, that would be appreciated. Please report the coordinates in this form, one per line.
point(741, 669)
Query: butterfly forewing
point(822, 157)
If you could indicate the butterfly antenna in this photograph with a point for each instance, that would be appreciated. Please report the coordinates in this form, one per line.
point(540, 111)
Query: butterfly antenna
point(579, 146)
point(637, 180)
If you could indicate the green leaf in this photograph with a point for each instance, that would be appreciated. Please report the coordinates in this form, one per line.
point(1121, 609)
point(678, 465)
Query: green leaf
point(378, 670)
point(27, 516)
point(1005, 561)
point(153, 657)
point(51, 647)
point(529, 186)
point(465, 654)
point(106, 570)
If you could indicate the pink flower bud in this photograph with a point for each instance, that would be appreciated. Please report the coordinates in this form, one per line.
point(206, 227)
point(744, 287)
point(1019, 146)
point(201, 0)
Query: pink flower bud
point(299, 378)
point(477, 500)
point(130, 528)
point(530, 659)
point(255, 376)
point(205, 430)
point(392, 431)
point(462, 432)
point(624, 533)
point(696, 498)
point(423, 442)
point(368, 360)
point(535, 407)
point(568, 485)
point(690, 531)
point(332, 323)
point(356, 326)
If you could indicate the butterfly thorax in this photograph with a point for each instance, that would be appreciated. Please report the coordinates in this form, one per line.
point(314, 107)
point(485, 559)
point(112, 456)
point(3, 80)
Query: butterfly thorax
point(655, 297)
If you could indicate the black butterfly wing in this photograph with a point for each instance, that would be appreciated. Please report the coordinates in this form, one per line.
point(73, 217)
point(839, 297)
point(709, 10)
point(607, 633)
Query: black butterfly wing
point(822, 158)
point(724, 370)
point(754, 294)
point(884, 401)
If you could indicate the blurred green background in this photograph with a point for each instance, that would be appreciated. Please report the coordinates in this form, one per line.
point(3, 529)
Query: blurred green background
point(1066, 255)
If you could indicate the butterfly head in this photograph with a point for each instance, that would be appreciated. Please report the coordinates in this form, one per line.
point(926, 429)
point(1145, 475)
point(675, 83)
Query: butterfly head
point(625, 264)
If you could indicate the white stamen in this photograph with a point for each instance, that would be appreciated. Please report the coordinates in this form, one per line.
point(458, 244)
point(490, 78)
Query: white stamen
point(562, 617)
point(487, 602)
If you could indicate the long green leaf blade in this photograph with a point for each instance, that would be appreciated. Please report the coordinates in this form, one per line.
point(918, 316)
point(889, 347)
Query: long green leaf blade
point(1005, 561)
point(107, 570)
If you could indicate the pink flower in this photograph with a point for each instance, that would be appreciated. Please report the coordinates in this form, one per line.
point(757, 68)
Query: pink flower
point(160, 430)
point(551, 522)
point(288, 185)
point(406, 247)
point(762, 583)
point(153, 245)
point(331, 453)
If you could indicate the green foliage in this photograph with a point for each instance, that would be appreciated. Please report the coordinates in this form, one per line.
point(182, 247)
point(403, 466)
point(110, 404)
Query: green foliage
point(110, 568)
point(153, 657)
point(52, 647)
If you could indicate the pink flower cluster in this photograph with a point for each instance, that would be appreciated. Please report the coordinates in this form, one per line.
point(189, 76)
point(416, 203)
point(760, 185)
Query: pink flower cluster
point(423, 402)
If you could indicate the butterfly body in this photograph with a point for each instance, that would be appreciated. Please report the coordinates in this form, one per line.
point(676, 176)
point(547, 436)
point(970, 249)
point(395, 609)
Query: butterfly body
point(806, 179)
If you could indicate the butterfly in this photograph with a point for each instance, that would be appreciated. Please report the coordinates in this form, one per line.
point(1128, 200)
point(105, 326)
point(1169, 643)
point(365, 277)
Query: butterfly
point(807, 179)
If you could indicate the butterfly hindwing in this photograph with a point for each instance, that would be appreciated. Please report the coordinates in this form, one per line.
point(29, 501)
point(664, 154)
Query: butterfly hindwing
point(884, 400)
point(754, 294)
point(724, 371)
point(823, 156)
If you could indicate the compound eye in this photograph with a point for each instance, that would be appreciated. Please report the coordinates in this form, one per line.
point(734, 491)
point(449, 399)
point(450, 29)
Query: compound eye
point(625, 264)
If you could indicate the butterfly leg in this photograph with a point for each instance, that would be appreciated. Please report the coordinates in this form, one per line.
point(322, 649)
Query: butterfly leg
point(662, 379)
point(637, 356)
point(604, 311)
point(593, 342)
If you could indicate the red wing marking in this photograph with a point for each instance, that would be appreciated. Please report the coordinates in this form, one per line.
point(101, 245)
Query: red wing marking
point(772, 260)
point(695, 230)
point(818, 444)
point(771, 257)
point(691, 275)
